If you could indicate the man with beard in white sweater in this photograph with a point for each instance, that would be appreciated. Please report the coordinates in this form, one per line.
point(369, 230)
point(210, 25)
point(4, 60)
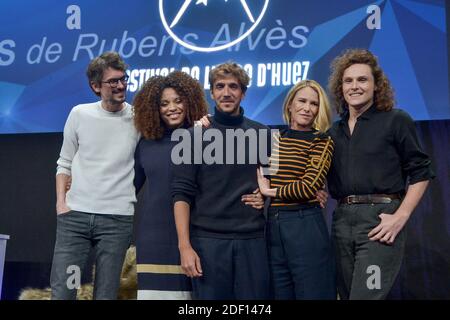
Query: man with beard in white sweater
point(97, 211)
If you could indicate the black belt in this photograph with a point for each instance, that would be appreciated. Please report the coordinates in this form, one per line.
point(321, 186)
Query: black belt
point(370, 198)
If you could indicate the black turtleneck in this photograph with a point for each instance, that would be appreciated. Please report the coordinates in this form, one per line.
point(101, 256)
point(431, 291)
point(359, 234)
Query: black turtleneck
point(214, 191)
point(227, 119)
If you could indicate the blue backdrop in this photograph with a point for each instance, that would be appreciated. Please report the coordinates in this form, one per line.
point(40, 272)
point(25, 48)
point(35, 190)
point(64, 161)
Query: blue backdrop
point(44, 56)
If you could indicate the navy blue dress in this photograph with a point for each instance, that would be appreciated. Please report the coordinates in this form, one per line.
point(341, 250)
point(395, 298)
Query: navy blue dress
point(158, 259)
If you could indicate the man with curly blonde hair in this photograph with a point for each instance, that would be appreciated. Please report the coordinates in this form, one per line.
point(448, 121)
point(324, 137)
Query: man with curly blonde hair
point(379, 173)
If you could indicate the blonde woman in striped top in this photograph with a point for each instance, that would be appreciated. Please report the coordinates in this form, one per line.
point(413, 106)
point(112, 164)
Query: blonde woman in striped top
point(300, 252)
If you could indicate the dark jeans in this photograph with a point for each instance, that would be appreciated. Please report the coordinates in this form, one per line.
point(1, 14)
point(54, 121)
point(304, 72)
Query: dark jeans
point(359, 260)
point(300, 255)
point(76, 234)
point(232, 269)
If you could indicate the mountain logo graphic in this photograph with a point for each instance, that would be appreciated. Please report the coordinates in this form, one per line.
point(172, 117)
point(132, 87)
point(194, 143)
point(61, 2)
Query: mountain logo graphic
point(197, 24)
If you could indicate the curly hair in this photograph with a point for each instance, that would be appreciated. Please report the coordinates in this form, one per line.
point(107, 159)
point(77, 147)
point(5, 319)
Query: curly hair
point(147, 117)
point(226, 69)
point(384, 93)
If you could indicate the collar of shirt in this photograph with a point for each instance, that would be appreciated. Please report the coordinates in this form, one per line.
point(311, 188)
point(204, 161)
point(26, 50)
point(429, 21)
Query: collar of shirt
point(292, 133)
point(366, 115)
point(227, 119)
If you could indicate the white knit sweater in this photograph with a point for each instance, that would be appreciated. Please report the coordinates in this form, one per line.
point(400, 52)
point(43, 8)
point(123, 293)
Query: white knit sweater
point(98, 152)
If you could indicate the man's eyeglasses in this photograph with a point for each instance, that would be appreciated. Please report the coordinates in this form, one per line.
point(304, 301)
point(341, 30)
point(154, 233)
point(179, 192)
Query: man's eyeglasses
point(113, 83)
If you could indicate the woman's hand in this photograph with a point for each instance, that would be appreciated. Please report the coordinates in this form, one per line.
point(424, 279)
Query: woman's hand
point(264, 184)
point(322, 197)
point(203, 122)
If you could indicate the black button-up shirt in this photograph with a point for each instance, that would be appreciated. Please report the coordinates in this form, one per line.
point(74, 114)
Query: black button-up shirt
point(378, 157)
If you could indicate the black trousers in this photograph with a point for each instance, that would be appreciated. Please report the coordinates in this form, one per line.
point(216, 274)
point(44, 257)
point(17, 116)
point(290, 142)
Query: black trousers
point(300, 255)
point(366, 270)
point(233, 269)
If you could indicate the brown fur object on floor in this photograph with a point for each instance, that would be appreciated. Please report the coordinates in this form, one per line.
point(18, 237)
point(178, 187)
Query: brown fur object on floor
point(127, 290)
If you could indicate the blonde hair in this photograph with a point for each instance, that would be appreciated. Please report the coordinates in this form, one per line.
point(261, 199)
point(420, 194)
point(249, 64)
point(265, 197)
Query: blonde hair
point(322, 122)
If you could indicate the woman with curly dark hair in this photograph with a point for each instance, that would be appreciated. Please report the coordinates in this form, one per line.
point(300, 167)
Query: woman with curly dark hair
point(152, 121)
point(376, 152)
point(162, 105)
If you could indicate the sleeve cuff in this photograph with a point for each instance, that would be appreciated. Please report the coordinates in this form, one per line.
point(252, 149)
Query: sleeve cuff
point(181, 197)
point(422, 176)
point(278, 193)
point(65, 171)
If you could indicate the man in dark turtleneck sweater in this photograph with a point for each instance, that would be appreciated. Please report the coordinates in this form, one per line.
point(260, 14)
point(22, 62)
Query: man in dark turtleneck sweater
point(221, 240)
